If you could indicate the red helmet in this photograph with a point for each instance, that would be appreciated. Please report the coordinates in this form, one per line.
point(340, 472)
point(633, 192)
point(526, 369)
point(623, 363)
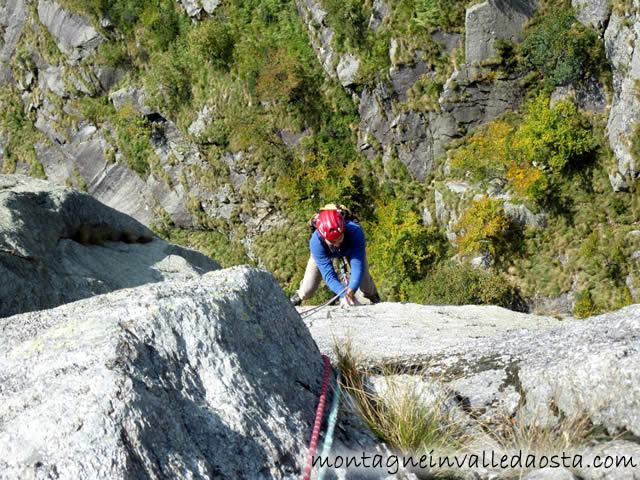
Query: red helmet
point(330, 224)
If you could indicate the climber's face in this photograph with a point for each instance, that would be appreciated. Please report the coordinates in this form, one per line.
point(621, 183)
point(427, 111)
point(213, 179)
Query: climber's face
point(335, 244)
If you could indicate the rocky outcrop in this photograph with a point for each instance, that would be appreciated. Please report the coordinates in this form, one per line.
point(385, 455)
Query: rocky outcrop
point(194, 8)
point(213, 378)
point(498, 360)
point(79, 248)
point(473, 97)
point(74, 33)
point(487, 365)
point(622, 45)
point(491, 20)
point(13, 16)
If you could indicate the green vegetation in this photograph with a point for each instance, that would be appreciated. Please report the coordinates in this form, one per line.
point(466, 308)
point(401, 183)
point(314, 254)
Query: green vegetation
point(464, 284)
point(400, 416)
point(251, 66)
point(400, 249)
point(21, 134)
point(483, 227)
point(562, 49)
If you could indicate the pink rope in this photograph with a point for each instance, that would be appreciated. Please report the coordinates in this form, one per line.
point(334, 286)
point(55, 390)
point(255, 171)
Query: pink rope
point(318, 422)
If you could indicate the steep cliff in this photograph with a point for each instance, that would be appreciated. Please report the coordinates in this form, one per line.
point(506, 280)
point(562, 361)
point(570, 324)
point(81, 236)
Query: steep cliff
point(224, 126)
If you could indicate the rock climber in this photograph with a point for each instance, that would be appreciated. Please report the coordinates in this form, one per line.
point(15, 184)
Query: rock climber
point(336, 238)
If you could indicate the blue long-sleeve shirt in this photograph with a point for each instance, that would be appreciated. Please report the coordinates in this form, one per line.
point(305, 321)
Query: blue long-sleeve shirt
point(353, 247)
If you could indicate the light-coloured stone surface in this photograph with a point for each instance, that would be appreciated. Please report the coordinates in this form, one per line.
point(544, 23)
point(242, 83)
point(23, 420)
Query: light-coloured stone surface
point(74, 34)
point(493, 356)
point(491, 20)
point(181, 380)
point(58, 245)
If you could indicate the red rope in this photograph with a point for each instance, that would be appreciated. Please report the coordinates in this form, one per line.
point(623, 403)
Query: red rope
point(318, 422)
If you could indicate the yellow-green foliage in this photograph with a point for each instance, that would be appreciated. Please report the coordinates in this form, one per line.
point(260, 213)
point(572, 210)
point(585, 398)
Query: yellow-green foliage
point(585, 306)
point(317, 179)
point(400, 248)
point(483, 227)
point(485, 154)
point(552, 137)
point(549, 141)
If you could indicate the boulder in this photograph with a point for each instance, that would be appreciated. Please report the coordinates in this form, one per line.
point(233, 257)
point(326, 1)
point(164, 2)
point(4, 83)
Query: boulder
point(58, 245)
point(215, 377)
point(379, 12)
point(473, 97)
point(623, 52)
point(592, 13)
point(13, 16)
point(491, 20)
point(74, 34)
point(496, 360)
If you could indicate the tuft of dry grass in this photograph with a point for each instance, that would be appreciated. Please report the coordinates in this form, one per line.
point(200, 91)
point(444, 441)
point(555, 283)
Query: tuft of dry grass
point(406, 415)
point(415, 414)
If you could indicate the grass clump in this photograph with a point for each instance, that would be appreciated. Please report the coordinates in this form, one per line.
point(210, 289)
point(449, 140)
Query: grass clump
point(401, 416)
point(416, 414)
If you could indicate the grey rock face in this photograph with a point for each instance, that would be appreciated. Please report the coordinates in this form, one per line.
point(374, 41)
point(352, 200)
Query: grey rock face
point(521, 215)
point(213, 378)
point(555, 368)
point(379, 13)
point(622, 46)
point(210, 6)
point(13, 15)
point(347, 70)
point(75, 35)
point(320, 35)
point(594, 13)
point(417, 138)
point(491, 20)
point(589, 96)
point(58, 245)
point(473, 99)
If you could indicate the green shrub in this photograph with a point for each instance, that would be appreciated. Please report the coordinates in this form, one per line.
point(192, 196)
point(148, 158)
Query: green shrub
point(464, 285)
point(485, 153)
point(563, 49)
point(211, 41)
point(551, 141)
point(585, 306)
point(483, 227)
point(400, 248)
point(133, 132)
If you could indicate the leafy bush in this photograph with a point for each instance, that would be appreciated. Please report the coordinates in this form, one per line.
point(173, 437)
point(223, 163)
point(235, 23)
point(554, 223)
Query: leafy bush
point(483, 226)
point(553, 137)
point(211, 42)
point(563, 49)
point(349, 19)
point(132, 132)
point(400, 248)
point(464, 285)
point(585, 306)
point(485, 154)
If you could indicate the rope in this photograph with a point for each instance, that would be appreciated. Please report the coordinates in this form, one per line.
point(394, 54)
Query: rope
point(318, 422)
point(316, 309)
point(333, 418)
